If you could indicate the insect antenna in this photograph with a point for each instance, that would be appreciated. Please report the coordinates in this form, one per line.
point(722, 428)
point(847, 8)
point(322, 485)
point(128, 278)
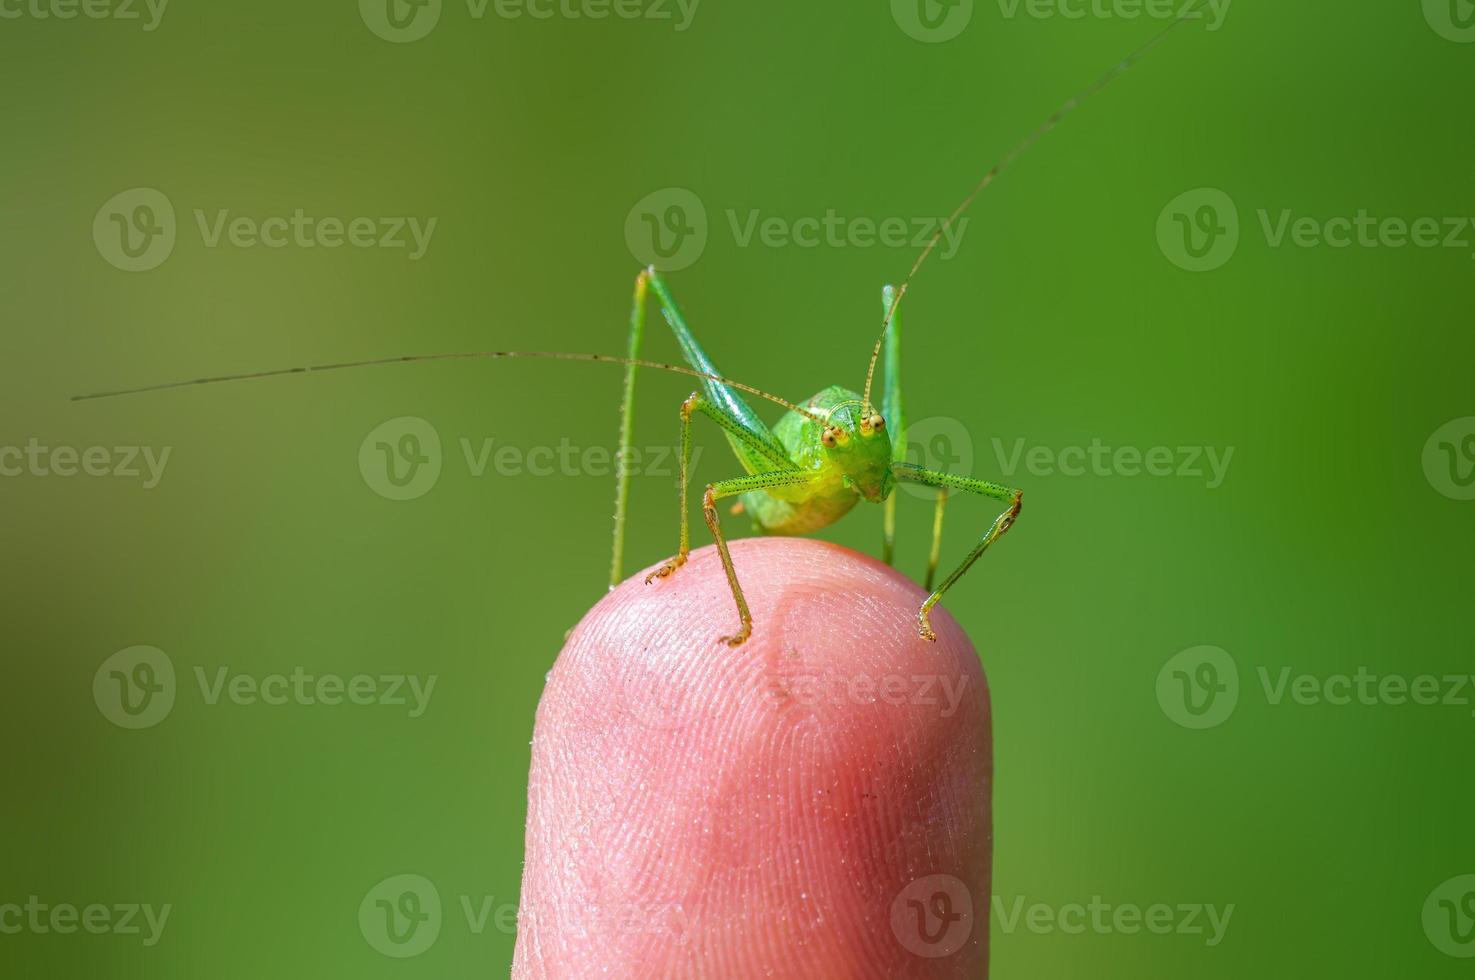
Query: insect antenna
point(466, 356)
point(1050, 123)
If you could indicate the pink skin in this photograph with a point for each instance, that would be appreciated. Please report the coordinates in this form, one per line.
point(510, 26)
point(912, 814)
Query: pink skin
point(707, 813)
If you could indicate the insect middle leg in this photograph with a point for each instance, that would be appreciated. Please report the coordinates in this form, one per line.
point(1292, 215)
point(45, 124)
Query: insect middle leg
point(627, 420)
point(1001, 524)
point(895, 414)
point(936, 553)
point(780, 477)
point(755, 446)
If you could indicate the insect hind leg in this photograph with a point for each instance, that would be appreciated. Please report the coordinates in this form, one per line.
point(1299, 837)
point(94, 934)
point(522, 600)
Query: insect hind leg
point(1001, 524)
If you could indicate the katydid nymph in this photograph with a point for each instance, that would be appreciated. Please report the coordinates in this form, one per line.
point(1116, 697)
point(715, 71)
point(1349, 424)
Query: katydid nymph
point(821, 458)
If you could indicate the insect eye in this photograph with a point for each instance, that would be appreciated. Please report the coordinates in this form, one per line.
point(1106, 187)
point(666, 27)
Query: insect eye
point(877, 422)
point(828, 438)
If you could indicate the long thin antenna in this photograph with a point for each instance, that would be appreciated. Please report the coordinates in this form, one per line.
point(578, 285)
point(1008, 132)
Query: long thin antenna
point(1050, 123)
point(469, 355)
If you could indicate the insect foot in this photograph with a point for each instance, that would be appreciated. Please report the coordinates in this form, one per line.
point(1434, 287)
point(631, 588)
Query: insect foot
point(925, 628)
point(740, 638)
point(666, 570)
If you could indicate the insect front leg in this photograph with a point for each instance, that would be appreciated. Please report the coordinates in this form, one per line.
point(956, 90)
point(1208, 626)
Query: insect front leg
point(782, 474)
point(666, 570)
point(731, 488)
point(698, 402)
point(1002, 523)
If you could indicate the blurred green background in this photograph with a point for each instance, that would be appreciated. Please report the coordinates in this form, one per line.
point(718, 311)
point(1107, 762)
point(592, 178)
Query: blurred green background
point(1338, 538)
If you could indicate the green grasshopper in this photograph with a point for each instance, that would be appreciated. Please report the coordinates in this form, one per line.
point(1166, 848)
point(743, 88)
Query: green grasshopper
point(818, 461)
point(808, 471)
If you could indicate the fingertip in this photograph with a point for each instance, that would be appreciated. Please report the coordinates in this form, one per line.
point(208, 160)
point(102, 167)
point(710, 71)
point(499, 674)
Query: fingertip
point(773, 809)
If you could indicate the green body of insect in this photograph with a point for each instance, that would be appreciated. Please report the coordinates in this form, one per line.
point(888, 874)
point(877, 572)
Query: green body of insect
point(821, 458)
point(849, 463)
